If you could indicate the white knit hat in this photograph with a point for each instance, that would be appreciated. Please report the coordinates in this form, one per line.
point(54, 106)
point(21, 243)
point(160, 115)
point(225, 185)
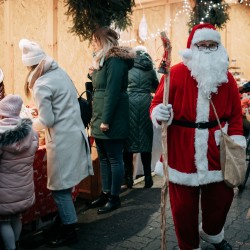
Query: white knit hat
point(32, 53)
point(10, 106)
point(1, 75)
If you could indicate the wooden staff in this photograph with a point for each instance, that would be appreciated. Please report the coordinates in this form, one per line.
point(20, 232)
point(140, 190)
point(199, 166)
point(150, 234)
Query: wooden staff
point(166, 61)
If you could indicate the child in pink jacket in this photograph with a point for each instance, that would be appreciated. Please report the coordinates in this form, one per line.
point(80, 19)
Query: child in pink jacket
point(18, 144)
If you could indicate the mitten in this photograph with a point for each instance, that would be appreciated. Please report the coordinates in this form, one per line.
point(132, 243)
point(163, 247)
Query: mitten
point(162, 113)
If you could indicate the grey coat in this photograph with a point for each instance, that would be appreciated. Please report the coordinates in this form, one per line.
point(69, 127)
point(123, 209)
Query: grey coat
point(142, 80)
point(68, 154)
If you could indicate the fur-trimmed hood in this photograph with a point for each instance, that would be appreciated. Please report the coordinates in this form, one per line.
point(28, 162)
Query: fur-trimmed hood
point(15, 134)
point(126, 53)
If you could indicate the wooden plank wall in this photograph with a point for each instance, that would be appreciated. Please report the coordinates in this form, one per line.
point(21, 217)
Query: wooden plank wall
point(45, 22)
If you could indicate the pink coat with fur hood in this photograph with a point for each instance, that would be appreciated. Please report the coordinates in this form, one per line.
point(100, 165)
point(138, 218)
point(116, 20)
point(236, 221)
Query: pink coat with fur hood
point(18, 144)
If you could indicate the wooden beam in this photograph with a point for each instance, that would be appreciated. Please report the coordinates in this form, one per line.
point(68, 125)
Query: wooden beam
point(140, 4)
point(149, 3)
point(9, 47)
point(52, 28)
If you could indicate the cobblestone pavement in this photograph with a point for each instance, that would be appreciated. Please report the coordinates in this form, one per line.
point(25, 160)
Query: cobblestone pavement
point(136, 225)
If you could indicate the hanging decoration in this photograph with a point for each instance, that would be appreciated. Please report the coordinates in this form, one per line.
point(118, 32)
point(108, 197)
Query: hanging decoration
point(212, 11)
point(143, 28)
point(88, 15)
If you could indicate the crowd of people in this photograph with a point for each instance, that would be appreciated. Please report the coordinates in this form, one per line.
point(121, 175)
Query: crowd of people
point(124, 113)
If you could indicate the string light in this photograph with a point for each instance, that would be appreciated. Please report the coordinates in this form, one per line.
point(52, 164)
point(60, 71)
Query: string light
point(186, 9)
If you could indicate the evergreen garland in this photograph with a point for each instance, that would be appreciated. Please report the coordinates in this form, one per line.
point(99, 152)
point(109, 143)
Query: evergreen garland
point(211, 11)
point(88, 15)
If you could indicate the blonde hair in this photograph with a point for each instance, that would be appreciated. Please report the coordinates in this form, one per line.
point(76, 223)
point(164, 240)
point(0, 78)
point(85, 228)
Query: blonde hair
point(107, 38)
point(26, 84)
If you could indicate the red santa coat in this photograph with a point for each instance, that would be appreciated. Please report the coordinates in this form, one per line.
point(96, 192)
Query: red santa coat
point(193, 154)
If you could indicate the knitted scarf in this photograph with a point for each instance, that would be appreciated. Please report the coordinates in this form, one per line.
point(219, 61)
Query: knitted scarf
point(40, 70)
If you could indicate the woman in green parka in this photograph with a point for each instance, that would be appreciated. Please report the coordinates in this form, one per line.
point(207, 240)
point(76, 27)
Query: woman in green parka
point(142, 81)
point(110, 120)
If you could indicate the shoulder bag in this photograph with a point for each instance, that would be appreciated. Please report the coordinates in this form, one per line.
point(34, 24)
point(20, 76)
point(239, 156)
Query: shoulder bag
point(232, 158)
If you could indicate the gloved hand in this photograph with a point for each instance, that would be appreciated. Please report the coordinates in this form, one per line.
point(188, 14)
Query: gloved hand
point(161, 113)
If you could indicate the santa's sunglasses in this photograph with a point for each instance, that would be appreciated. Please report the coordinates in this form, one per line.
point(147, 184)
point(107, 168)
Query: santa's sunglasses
point(204, 46)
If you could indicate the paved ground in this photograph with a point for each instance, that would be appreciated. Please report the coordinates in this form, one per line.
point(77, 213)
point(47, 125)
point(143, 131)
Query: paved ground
point(136, 225)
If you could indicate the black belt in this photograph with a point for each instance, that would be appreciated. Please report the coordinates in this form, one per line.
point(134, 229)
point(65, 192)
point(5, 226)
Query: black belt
point(199, 125)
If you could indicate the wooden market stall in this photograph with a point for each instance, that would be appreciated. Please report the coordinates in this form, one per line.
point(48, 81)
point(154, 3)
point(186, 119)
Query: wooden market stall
point(45, 22)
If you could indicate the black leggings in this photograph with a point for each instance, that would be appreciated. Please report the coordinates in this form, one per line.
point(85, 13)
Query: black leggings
point(145, 159)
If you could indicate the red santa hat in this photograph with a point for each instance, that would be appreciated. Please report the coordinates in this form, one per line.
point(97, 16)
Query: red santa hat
point(201, 32)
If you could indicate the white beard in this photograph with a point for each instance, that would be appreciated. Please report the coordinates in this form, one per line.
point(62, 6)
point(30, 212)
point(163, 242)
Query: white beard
point(209, 68)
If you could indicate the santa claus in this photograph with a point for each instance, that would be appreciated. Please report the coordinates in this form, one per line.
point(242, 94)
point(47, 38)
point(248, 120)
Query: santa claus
point(193, 137)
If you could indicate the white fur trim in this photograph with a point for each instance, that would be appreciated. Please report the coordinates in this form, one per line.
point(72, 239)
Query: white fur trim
point(201, 139)
point(206, 35)
point(186, 53)
point(213, 239)
point(1, 75)
point(217, 134)
point(194, 179)
point(239, 139)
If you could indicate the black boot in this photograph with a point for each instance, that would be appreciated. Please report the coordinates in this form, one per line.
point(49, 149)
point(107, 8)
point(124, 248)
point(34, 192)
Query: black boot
point(66, 236)
point(148, 181)
point(53, 228)
point(100, 201)
point(146, 162)
point(129, 181)
point(128, 166)
point(17, 245)
point(224, 245)
point(113, 203)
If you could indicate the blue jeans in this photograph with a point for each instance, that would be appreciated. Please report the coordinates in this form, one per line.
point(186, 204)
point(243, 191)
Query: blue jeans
point(110, 153)
point(65, 205)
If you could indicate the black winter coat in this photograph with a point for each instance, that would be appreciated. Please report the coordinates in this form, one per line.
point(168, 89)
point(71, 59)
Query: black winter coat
point(142, 82)
point(110, 99)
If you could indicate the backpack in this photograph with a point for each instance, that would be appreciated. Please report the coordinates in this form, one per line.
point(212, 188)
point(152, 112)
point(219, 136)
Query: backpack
point(86, 107)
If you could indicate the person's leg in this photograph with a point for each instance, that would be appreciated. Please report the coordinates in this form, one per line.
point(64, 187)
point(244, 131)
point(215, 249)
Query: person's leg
point(184, 202)
point(105, 165)
point(146, 162)
point(68, 217)
point(216, 199)
point(7, 235)
point(114, 149)
point(65, 205)
point(16, 224)
point(128, 166)
point(105, 175)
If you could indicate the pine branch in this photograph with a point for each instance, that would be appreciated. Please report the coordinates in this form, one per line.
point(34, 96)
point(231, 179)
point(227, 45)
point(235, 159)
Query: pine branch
point(214, 12)
point(88, 15)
